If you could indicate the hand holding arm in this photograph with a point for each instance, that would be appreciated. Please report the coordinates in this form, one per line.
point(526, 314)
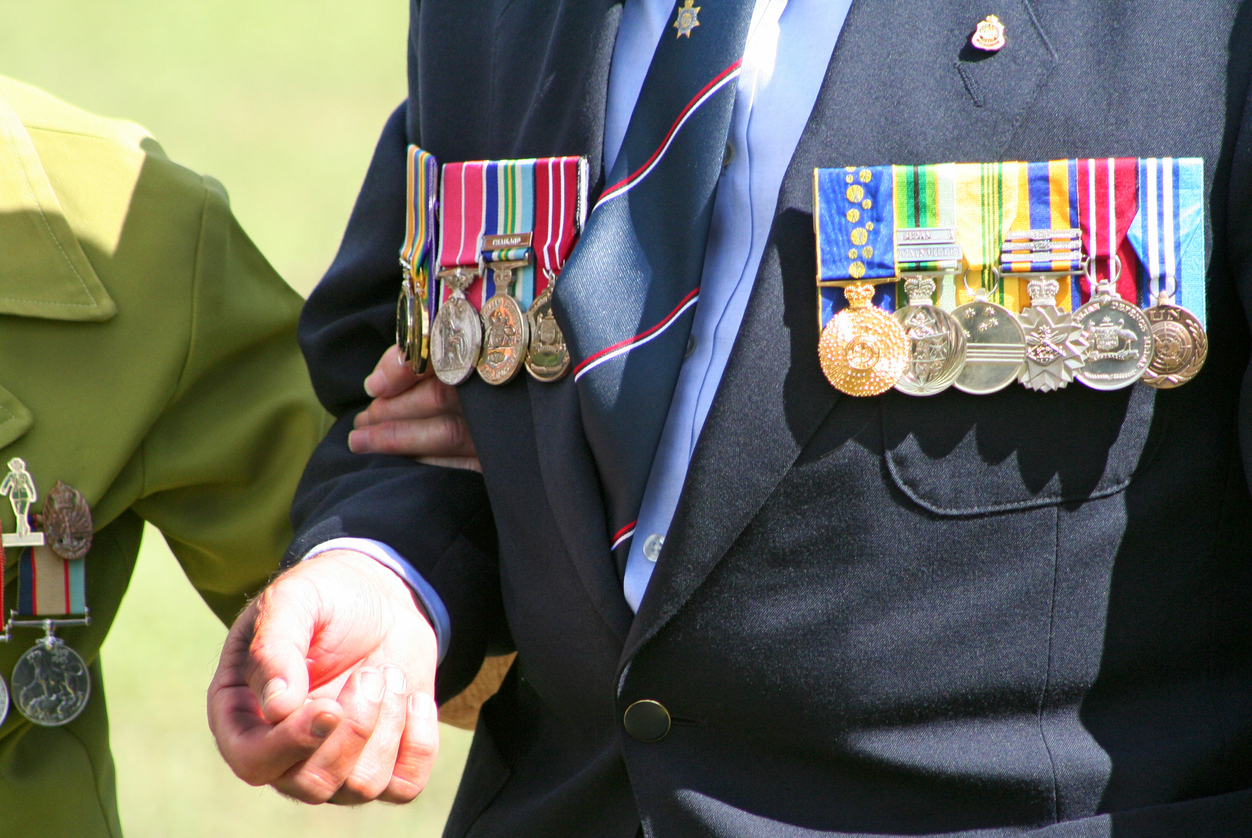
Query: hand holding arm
point(325, 688)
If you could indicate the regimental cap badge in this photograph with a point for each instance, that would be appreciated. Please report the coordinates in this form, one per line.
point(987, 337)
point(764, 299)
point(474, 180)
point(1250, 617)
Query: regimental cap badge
point(990, 35)
point(686, 20)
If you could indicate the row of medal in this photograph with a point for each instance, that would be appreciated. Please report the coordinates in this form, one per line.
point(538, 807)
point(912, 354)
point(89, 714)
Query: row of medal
point(974, 340)
point(484, 245)
point(51, 683)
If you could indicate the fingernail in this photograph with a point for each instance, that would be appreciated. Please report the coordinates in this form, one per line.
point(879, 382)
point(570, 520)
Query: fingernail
point(374, 384)
point(372, 684)
point(323, 724)
point(424, 706)
point(396, 682)
point(273, 688)
point(356, 441)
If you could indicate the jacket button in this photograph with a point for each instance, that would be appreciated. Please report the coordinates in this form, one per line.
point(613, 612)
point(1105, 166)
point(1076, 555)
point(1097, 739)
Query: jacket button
point(647, 721)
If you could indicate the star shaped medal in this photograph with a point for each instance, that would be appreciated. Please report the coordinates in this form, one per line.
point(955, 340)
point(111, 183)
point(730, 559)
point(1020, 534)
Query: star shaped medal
point(686, 20)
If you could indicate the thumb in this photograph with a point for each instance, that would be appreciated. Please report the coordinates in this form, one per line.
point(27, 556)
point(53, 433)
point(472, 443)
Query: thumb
point(391, 376)
point(277, 669)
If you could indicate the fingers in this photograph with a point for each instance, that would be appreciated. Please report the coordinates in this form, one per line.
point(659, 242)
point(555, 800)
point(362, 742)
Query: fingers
point(470, 463)
point(259, 752)
point(371, 774)
point(319, 777)
point(427, 397)
point(437, 436)
point(391, 376)
point(418, 749)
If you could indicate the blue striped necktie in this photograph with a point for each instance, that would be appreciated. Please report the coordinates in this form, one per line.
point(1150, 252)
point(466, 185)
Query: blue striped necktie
point(627, 296)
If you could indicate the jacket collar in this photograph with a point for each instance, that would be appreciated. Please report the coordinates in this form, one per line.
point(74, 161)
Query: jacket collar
point(43, 271)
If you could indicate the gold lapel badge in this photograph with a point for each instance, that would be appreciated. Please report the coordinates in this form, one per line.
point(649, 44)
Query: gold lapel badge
point(990, 35)
point(686, 20)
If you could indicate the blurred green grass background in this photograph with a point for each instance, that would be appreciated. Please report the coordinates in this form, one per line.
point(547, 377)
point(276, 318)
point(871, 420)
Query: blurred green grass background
point(282, 101)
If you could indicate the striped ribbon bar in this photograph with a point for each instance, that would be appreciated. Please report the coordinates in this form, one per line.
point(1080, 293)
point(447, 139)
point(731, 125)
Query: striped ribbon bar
point(925, 202)
point(987, 201)
point(508, 222)
point(461, 217)
point(509, 211)
point(1168, 232)
point(419, 230)
point(854, 217)
point(49, 586)
point(560, 210)
point(4, 611)
point(1047, 212)
point(1108, 201)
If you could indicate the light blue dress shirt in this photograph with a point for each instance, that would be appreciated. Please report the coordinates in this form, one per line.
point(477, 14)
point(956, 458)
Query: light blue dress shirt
point(785, 60)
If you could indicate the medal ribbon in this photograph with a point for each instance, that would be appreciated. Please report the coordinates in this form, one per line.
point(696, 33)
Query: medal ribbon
point(1168, 232)
point(854, 219)
point(419, 230)
point(461, 204)
point(986, 205)
point(560, 207)
point(925, 196)
point(50, 586)
point(1108, 201)
point(509, 207)
point(1052, 204)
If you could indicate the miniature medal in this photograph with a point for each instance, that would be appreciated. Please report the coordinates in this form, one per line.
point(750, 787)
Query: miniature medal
point(1180, 346)
point(1119, 338)
point(456, 335)
point(863, 349)
point(413, 323)
point(413, 309)
point(687, 19)
point(1055, 343)
point(51, 684)
point(547, 359)
point(4, 700)
point(936, 342)
point(506, 332)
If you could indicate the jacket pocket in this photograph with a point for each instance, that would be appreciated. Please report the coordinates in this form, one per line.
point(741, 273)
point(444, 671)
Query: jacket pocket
point(955, 454)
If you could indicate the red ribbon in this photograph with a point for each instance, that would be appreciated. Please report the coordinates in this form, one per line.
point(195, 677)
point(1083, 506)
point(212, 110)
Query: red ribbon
point(1108, 201)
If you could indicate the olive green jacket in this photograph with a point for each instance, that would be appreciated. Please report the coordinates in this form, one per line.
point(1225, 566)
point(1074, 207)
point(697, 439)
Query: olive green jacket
point(148, 359)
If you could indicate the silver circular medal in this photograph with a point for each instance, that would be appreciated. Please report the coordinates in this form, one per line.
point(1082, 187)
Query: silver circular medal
point(995, 347)
point(456, 338)
point(50, 683)
point(1119, 343)
point(936, 349)
point(547, 358)
point(506, 335)
point(4, 700)
point(1180, 346)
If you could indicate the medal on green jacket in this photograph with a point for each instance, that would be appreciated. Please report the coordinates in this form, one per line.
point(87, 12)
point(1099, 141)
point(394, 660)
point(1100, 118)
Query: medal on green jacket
point(414, 310)
point(50, 682)
point(1168, 237)
point(863, 350)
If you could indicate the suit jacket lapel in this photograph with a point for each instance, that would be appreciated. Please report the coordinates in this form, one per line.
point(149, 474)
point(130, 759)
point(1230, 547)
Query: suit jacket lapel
point(950, 106)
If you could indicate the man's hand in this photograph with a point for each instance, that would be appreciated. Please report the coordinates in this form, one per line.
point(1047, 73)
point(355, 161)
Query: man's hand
point(414, 416)
point(325, 689)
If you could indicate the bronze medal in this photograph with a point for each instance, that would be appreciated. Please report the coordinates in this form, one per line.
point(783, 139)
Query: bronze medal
point(1180, 346)
point(863, 350)
point(506, 332)
point(547, 358)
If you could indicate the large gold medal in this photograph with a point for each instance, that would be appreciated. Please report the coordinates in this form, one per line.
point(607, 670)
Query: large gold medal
point(864, 350)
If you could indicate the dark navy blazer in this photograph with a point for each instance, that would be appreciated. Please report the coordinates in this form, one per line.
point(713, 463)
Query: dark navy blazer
point(1024, 613)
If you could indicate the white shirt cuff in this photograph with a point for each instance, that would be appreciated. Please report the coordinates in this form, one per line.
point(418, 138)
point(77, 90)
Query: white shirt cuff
point(430, 602)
